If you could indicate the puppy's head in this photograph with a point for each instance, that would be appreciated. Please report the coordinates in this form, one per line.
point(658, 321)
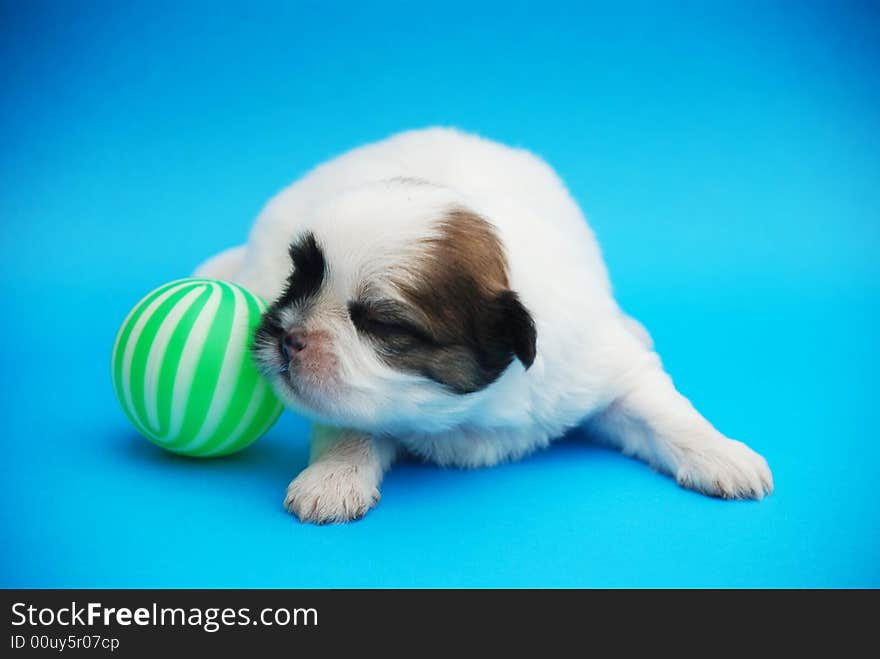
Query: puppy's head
point(396, 312)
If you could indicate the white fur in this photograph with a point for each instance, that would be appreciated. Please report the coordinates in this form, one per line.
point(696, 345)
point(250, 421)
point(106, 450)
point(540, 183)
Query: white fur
point(369, 208)
point(342, 480)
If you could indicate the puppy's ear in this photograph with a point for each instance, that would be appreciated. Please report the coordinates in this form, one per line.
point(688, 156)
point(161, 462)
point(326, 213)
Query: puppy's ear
point(513, 327)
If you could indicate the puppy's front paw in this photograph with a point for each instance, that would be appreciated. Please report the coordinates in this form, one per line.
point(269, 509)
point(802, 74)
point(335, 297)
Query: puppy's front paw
point(726, 468)
point(328, 492)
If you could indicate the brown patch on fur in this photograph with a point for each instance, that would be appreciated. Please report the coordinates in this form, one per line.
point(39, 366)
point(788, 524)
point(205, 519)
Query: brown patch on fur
point(468, 244)
point(465, 326)
point(464, 259)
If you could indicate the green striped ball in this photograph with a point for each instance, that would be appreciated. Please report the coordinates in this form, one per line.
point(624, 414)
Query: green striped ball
point(183, 373)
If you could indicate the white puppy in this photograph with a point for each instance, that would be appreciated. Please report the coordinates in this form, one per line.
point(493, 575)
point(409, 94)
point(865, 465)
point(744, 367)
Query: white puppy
point(442, 295)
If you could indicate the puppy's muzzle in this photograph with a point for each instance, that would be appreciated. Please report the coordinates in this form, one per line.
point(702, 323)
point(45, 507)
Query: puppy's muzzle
point(293, 343)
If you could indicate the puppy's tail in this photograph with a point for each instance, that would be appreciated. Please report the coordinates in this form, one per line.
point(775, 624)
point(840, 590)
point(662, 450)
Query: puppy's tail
point(638, 330)
point(226, 265)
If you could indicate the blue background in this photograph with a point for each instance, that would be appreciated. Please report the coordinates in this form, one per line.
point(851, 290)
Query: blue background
point(728, 155)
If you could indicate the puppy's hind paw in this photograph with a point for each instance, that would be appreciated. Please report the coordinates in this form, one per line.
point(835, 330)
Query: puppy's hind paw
point(326, 493)
point(727, 469)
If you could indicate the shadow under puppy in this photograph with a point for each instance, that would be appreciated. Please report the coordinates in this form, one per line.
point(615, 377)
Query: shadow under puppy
point(443, 295)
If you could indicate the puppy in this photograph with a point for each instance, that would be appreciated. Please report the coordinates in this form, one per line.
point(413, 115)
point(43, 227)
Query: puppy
point(442, 295)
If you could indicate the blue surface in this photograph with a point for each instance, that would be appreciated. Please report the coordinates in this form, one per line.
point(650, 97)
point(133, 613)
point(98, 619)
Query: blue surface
point(727, 155)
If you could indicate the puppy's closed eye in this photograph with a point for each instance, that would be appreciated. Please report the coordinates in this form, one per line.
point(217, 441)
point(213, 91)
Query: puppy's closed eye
point(385, 320)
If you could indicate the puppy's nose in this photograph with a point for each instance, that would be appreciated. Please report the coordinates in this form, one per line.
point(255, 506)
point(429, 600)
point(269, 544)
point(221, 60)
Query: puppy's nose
point(293, 342)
